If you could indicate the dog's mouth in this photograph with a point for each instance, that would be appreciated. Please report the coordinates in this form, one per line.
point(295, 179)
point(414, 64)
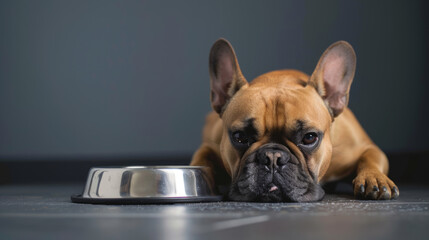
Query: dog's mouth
point(287, 182)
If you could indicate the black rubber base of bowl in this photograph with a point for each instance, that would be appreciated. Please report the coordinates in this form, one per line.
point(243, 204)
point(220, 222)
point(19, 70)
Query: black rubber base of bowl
point(152, 200)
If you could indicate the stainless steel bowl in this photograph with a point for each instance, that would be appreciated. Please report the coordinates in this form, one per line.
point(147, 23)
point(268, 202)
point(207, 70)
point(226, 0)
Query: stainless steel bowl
point(147, 184)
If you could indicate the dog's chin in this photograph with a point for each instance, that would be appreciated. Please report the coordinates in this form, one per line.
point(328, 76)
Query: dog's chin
point(291, 184)
point(283, 194)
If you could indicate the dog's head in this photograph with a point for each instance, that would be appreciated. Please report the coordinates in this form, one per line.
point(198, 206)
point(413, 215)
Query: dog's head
point(276, 130)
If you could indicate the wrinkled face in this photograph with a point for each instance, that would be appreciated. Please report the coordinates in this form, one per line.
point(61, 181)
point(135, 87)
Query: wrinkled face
point(276, 144)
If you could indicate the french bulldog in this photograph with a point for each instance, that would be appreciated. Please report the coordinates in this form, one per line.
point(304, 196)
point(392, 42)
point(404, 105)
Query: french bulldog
point(281, 136)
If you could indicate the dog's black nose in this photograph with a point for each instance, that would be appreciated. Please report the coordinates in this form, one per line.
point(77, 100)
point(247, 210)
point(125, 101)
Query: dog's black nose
point(273, 159)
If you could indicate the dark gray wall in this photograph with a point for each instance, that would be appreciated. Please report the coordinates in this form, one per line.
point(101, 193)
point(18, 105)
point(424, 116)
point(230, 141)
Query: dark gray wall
point(130, 78)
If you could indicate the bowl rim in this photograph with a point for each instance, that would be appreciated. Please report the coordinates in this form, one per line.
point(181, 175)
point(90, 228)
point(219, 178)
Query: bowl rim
point(178, 167)
point(78, 198)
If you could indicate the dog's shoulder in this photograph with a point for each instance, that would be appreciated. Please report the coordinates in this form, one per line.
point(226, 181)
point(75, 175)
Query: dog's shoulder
point(212, 131)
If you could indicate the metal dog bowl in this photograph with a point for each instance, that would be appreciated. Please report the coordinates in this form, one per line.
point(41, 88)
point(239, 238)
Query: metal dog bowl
point(147, 184)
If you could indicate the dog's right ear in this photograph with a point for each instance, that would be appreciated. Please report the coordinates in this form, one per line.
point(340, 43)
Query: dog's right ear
point(333, 76)
point(225, 75)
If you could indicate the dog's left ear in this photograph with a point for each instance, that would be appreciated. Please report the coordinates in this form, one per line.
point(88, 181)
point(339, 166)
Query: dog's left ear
point(225, 75)
point(334, 74)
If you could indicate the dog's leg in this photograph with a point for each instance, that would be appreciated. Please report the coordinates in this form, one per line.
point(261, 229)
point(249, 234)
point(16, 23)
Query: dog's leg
point(202, 157)
point(371, 182)
point(207, 156)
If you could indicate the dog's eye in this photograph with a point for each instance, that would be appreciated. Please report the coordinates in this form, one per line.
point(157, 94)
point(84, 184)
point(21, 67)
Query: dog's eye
point(240, 137)
point(309, 138)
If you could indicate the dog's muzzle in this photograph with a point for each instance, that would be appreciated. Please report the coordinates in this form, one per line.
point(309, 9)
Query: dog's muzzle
point(273, 174)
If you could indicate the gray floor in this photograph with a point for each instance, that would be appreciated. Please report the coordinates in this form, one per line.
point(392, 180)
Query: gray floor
point(45, 212)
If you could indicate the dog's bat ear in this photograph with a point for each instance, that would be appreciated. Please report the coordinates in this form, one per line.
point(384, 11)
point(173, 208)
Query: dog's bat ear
point(225, 74)
point(333, 76)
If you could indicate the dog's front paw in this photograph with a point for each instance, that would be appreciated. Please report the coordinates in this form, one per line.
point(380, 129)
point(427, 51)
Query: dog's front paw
point(374, 185)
